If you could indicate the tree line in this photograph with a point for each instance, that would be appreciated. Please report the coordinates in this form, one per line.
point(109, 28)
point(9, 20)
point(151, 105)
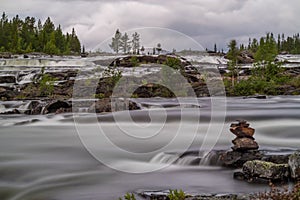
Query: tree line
point(281, 44)
point(30, 35)
point(267, 75)
point(122, 43)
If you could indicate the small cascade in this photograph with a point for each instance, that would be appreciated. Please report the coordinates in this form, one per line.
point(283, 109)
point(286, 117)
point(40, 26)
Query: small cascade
point(188, 158)
point(2, 108)
point(26, 79)
point(210, 158)
point(166, 158)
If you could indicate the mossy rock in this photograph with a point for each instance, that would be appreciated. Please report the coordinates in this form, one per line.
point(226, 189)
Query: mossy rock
point(265, 170)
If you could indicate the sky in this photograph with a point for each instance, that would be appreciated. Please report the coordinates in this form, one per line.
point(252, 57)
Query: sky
point(181, 23)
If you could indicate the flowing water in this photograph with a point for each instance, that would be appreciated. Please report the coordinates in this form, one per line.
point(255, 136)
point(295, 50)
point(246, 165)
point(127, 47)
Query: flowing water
point(47, 160)
point(84, 156)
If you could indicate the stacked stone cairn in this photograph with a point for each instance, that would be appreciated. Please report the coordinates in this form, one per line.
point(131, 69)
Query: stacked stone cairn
point(244, 140)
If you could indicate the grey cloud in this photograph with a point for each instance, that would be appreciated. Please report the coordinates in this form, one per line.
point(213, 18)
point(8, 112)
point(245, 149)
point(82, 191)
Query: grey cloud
point(207, 21)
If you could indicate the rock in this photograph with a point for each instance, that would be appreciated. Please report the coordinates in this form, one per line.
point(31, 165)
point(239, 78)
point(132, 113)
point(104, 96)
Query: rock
point(256, 169)
point(11, 112)
point(294, 164)
point(242, 131)
point(161, 59)
point(7, 79)
point(244, 140)
point(236, 159)
point(54, 106)
point(29, 107)
point(255, 97)
point(7, 93)
point(105, 105)
point(242, 144)
point(5, 55)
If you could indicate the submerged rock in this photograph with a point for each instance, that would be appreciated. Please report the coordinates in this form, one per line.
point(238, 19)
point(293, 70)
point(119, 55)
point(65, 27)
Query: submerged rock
point(294, 164)
point(257, 169)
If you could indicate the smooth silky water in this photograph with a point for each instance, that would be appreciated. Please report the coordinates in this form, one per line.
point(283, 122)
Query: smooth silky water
point(44, 157)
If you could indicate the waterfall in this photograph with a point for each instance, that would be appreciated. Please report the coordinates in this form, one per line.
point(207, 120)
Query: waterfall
point(27, 78)
point(188, 158)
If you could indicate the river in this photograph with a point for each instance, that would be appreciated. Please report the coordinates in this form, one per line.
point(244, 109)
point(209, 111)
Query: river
point(47, 159)
point(85, 156)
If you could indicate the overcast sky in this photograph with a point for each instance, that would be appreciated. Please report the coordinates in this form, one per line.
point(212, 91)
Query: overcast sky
point(205, 21)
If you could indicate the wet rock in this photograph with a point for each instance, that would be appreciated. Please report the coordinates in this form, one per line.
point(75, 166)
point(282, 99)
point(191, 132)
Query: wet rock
point(131, 61)
point(54, 106)
point(7, 93)
point(63, 75)
point(278, 159)
point(5, 55)
point(242, 144)
point(236, 159)
point(109, 105)
point(163, 195)
point(294, 164)
point(257, 169)
point(31, 106)
point(256, 97)
point(7, 79)
point(11, 112)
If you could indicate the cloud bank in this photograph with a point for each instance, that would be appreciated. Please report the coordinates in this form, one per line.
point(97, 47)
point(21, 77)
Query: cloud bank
point(206, 21)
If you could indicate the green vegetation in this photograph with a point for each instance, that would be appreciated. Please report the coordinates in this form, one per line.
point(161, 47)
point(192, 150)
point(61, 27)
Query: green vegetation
point(176, 195)
point(128, 196)
point(113, 74)
point(46, 85)
point(267, 75)
point(173, 62)
point(25, 36)
point(134, 61)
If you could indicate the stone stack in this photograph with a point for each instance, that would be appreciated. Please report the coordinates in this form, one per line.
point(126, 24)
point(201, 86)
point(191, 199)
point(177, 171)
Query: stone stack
point(244, 140)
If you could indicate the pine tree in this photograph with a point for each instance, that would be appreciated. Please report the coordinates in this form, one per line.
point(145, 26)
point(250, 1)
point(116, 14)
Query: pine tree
point(125, 43)
point(158, 48)
point(135, 42)
point(75, 46)
point(232, 56)
point(116, 42)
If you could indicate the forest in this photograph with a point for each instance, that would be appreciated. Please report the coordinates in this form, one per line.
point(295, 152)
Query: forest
point(31, 35)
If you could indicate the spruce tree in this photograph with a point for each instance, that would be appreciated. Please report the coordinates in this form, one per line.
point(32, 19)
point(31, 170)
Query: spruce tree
point(116, 42)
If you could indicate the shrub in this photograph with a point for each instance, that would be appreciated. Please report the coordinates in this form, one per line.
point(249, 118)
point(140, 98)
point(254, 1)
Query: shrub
point(173, 62)
point(113, 73)
point(176, 195)
point(128, 196)
point(134, 61)
point(46, 85)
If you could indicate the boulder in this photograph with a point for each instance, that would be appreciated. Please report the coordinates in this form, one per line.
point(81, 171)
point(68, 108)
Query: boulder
point(53, 107)
point(236, 159)
point(242, 144)
point(109, 105)
point(294, 164)
point(11, 112)
point(256, 169)
point(7, 79)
